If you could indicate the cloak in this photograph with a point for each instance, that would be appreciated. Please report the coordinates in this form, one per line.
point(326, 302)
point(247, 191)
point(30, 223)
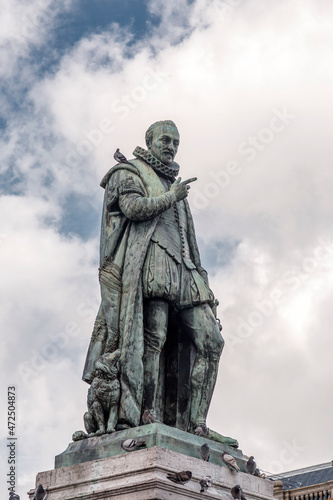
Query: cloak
point(119, 323)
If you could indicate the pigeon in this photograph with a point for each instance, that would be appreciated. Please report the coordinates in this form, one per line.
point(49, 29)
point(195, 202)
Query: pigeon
point(251, 466)
point(237, 492)
point(201, 430)
point(258, 473)
point(119, 157)
point(205, 483)
point(205, 452)
point(13, 496)
point(39, 493)
point(230, 462)
point(147, 417)
point(132, 444)
point(180, 477)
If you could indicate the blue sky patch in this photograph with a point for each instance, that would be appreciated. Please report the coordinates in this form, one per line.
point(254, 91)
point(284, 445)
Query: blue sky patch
point(216, 254)
point(80, 217)
point(3, 123)
point(95, 17)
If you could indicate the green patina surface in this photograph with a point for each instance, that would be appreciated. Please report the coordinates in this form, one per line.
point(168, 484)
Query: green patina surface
point(156, 342)
point(163, 436)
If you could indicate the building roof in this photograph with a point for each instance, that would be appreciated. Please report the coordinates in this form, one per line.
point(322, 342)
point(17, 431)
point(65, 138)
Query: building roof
point(308, 476)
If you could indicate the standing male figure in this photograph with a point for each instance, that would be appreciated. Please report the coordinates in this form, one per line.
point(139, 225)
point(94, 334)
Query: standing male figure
point(156, 302)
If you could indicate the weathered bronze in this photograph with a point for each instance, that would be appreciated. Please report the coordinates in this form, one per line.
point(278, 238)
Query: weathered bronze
point(157, 311)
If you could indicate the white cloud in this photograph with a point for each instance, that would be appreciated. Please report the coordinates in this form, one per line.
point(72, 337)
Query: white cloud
point(26, 25)
point(240, 66)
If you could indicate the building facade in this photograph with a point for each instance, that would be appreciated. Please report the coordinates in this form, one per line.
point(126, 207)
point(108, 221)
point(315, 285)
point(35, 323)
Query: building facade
point(310, 483)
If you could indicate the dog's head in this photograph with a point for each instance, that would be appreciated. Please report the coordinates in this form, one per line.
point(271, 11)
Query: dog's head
point(107, 364)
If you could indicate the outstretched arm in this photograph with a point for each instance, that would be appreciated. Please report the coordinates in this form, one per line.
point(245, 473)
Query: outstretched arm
point(139, 208)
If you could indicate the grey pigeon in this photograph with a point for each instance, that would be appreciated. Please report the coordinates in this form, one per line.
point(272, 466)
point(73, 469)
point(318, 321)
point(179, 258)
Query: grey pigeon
point(119, 157)
point(205, 483)
point(13, 496)
point(205, 452)
point(251, 466)
point(230, 462)
point(39, 493)
point(201, 430)
point(147, 417)
point(237, 492)
point(132, 444)
point(180, 477)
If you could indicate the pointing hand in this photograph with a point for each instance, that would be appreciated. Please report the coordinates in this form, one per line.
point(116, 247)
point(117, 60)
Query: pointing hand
point(181, 188)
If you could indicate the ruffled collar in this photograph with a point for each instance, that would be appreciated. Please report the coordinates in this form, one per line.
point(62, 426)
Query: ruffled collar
point(169, 171)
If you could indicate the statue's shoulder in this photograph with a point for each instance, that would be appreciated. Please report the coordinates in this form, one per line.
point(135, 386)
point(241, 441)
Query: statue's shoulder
point(131, 166)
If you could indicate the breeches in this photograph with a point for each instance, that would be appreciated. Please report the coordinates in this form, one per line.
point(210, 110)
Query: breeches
point(197, 322)
point(164, 279)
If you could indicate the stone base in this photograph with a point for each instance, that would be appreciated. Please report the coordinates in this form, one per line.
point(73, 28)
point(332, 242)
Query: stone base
point(142, 475)
point(163, 436)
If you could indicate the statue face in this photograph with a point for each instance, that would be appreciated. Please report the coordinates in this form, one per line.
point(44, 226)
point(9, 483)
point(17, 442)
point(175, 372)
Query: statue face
point(165, 143)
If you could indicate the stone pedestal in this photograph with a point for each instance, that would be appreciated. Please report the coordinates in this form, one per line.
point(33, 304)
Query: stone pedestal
point(98, 468)
point(142, 475)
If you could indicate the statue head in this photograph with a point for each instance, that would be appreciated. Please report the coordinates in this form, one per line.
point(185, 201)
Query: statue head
point(162, 139)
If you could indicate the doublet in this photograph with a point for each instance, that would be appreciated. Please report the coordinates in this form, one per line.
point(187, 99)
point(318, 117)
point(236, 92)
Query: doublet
point(168, 272)
point(170, 234)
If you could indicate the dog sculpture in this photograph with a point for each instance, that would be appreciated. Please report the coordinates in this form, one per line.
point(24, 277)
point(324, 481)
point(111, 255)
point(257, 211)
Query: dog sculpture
point(103, 396)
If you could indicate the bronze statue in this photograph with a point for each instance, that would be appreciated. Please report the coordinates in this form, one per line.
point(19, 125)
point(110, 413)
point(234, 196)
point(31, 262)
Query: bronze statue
point(157, 307)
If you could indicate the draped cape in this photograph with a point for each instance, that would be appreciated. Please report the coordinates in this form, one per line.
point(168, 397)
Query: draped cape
point(123, 247)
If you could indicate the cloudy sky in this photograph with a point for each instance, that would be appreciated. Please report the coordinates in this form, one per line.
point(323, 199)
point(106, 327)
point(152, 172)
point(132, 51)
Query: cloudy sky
point(249, 84)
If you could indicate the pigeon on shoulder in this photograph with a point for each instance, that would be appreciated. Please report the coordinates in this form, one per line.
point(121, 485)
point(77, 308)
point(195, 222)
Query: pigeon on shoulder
point(119, 157)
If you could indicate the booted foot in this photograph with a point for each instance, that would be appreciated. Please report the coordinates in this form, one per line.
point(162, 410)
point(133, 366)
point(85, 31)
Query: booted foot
point(215, 436)
point(203, 431)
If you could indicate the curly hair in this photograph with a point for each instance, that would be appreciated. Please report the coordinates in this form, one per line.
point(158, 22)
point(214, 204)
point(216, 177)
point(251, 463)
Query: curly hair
point(150, 131)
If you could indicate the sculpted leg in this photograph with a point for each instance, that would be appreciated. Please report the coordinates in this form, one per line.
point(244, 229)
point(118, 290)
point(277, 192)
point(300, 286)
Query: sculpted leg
point(89, 422)
point(113, 410)
point(199, 322)
point(98, 413)
point(155, 330)
point(112, 420)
